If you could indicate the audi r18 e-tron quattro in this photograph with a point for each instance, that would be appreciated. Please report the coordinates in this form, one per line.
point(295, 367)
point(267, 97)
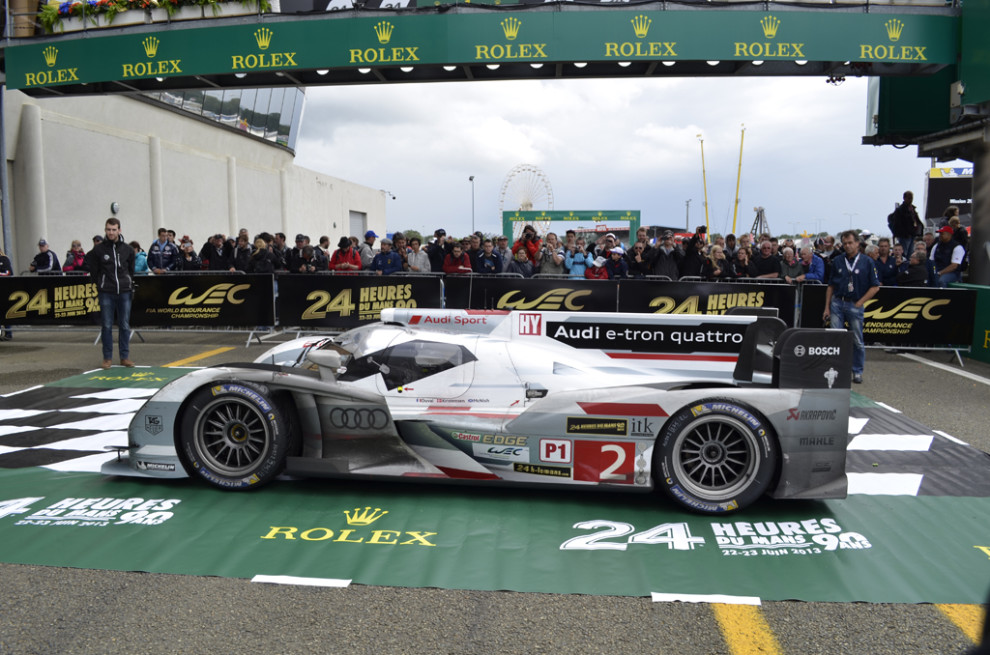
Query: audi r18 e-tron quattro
point(715, 410)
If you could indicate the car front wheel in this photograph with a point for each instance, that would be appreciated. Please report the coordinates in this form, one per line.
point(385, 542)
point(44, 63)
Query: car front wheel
point(716, 456)
point(233, 436)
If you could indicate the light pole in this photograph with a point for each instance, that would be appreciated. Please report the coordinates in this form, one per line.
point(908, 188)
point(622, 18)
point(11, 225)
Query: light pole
point(687, 214)
point(471, 180)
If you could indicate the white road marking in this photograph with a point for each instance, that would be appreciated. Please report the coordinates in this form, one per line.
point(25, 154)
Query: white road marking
point(704, 598)
point(884, 484)
point(918, 442)
point(296, 580)
point(945, 367)
point(950, 437)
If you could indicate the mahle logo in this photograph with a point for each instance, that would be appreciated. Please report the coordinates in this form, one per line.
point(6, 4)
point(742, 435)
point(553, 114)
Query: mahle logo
point(550, 300)
point(218, 294)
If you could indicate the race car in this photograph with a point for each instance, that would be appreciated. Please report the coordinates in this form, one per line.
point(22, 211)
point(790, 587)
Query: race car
point(715, 410)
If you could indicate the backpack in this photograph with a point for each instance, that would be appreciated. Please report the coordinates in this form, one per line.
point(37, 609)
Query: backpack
point(892, 221)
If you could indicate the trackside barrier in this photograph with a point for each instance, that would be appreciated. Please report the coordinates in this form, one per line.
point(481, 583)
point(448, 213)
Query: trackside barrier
point(896, 317)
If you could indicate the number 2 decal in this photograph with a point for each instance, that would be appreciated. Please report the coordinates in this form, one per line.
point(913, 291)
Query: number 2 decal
point(600, 461)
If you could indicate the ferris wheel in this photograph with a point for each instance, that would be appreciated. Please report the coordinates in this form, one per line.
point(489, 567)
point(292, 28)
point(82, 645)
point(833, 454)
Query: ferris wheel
point(526, 188)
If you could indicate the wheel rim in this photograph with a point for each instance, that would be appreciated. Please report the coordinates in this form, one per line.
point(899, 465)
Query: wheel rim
point(232, 436)
point(716, 457)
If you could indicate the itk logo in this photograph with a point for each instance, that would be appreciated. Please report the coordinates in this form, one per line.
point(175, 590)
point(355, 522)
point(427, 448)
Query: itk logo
point(359, 518)
point(530, 325)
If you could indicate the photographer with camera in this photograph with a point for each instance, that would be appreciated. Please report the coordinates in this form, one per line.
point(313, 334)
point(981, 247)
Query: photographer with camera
point(531, 243)
point(694, 253)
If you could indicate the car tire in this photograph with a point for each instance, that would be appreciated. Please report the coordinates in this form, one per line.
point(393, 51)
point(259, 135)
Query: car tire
point(234, 436)
point(716, 456)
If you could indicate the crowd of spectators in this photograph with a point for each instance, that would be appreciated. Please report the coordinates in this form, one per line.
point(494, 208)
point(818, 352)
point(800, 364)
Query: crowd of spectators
point(929, 259)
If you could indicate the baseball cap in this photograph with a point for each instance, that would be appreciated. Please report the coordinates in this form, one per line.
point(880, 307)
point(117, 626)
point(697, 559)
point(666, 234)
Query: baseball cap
point(440, 231)
point(599, 261)
point(502, 237)
point(370, 233)
point(42, 243)
point(944, 228)
point(97, 238)
point(609, 234)
point(667, 234)
point(300, 237)
point(617, 251)
point(386, 242)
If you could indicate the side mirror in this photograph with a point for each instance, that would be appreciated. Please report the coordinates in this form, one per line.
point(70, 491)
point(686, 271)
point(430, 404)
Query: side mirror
point(328, 362)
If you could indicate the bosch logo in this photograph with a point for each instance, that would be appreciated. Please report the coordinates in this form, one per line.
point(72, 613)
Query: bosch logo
point(358, 419)
point(799, 351)
point(824, 350)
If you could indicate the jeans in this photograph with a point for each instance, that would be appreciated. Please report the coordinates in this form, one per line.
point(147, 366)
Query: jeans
point(844, 311)
point(946, 279)
point(907, 243)
point(119, 304)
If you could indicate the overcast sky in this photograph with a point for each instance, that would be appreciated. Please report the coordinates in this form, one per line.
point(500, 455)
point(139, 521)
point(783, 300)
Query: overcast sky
point(628, 144)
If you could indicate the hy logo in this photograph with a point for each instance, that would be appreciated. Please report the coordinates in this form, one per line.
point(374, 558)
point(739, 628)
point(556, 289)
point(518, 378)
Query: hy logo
point(151, 46)
point(894, 28)
point(770, 24)
point(263, 37)
point(51, 54)
point(215, 295)
point(367, 516)
point(383, 30)
point(641, 26)
point(510, 27)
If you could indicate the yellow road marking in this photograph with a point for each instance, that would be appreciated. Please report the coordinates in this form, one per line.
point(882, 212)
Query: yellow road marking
point(196, 358)
point(968, 618)
point(745, 630)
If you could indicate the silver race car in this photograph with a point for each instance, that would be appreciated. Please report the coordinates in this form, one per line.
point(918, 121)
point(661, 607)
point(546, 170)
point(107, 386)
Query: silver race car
point(715, 410)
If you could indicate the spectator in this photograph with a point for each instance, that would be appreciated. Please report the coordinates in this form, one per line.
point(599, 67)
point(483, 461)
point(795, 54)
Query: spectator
point(111, 263)
point(947, 215)
point(790, 266)
point(162, 254)
point(309, 263)
point(916, 273)
point(367, 249)
point(638, 260)
point(570, 240)
point(188, 259)
point(530, 243)
point(473, 249)
point(767, 265)
point(294, 259)
point(520, 264)
point(947, 256)
point(812, 266)
point(616, 266)
point(45, 261)
point(6, 270)
point(387, 261)
point(400, 247)
point(904, 222)
point(325, 247)
point(744, 267)
point(870, 251)
point(502, 248)
point(417, 260)
point(597, 270)
point(457, 262)
point(489, 262)
point(262, 259)
point(345, 257)
point(730, 248)
point(552, 256)
point(919, 246)
point(886, 263)
point(665, 259)
point(439, 249)
point(217, 255)
point(929, 239)
point(579, 260)
point(603, 247)
point(642, 237)
point(852, 283)
point(243, 252)
point(97, 239)
point(75, 258)
point(959, 233)
point(694, 253)
point(279, 250)
point(716, 266)
point(140, 259)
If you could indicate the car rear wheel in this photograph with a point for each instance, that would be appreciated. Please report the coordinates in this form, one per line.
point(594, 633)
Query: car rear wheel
point(233, 436)
point(716, 456)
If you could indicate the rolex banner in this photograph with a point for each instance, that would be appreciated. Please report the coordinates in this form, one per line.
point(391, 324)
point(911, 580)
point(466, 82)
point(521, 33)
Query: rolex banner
point(48, 300)
point(645, 296)
point(906, 316)
point(220, 300)
point(341, 301)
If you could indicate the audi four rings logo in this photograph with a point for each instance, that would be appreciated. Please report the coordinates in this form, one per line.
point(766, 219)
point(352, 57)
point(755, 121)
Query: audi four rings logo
point(358, 418)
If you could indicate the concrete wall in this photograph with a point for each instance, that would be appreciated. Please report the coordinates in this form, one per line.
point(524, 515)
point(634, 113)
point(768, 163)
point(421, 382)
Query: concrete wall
point(69, 158)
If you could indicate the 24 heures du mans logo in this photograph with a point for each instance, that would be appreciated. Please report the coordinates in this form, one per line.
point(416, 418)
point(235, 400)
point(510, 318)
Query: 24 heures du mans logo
point(53, 75)
point(262, 60)
point(360, 521)
point(383, 32)
point(641, 47)
point(157, 67)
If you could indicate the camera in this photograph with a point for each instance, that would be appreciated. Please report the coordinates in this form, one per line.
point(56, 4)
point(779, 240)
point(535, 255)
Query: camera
point(702, 229)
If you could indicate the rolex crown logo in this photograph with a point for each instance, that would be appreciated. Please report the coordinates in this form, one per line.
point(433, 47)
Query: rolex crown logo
point(151, 46)
point(264, 37)
point(894, 29)
point(770, 25)
point(51, 54)
point(365, 516)
point(383, 31)
point(510, 26)
point(641, 26)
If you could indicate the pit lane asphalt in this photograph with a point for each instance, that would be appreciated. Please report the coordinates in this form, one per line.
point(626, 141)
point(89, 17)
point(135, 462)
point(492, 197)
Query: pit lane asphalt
point(49, 610)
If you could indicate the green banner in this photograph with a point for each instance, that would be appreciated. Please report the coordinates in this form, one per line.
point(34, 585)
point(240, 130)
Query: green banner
point(273, 44)
point(597, 216)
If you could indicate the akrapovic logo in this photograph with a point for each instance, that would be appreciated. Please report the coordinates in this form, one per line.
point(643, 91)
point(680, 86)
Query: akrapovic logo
point(218, 294)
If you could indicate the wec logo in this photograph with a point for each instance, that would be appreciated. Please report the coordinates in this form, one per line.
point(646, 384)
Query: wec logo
point(215, 295)
point(550, 300)
point(907, 310)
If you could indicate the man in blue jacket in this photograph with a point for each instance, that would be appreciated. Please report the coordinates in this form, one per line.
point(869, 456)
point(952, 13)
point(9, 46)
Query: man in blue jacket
point(163, 255)
point(853, 282)
point(386, 262)
point(813, 265)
